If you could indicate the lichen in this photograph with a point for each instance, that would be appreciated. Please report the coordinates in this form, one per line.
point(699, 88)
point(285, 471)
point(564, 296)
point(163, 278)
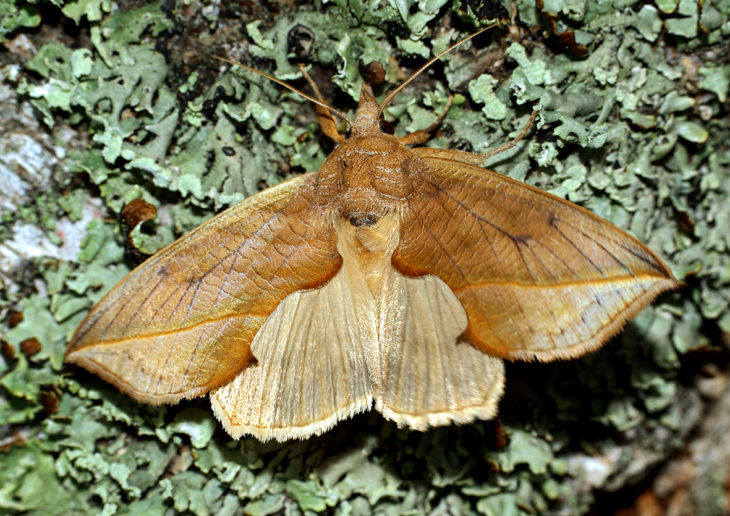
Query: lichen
point(636, 131)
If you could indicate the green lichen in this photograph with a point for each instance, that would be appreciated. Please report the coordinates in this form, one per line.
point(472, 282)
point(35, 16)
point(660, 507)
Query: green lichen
point(625, 131)
point(15, 15)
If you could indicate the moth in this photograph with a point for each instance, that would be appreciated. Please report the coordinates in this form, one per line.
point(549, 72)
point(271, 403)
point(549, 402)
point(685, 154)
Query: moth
point(397, 276)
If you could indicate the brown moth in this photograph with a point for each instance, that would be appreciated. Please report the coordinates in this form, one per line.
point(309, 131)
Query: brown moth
point(394, 276)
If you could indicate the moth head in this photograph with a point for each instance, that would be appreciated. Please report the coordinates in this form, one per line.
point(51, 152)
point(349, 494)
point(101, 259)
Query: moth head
point(367, 117)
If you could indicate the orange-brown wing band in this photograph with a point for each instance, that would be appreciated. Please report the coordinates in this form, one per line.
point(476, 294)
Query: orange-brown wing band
point(181, 323)
point(539, 277)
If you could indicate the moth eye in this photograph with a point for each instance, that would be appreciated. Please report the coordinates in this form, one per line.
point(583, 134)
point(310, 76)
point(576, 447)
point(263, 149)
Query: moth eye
point(364, 219)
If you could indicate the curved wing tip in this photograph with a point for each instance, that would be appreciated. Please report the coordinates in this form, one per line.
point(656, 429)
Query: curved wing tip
point(68, 356)
point(77, 358)
point(599, 339)
point(71, 348)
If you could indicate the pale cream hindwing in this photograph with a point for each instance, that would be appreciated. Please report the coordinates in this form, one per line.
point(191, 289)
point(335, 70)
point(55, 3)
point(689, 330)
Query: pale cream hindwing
point(430, 377)
point(310, 373)
point(369, 334)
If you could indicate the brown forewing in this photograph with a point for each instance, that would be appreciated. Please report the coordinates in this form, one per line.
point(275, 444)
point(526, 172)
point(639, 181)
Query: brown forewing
point(539, 277)
point(181, 324)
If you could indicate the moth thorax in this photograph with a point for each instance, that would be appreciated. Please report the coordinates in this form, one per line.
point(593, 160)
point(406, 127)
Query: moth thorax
point(375, 189)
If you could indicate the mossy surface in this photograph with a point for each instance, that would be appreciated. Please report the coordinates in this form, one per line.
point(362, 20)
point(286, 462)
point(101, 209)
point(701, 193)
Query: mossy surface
point(134, 105)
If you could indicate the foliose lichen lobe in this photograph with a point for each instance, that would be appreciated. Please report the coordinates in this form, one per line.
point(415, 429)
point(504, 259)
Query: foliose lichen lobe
point(635, 130)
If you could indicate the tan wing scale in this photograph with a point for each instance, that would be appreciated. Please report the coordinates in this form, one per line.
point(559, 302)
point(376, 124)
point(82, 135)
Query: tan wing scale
point(181, 323)
point(539, 277)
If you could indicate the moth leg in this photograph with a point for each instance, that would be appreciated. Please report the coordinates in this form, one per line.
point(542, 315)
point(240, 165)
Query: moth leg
point(324, 117)
point(422, 136)
point(472, 158)
point(515, 141)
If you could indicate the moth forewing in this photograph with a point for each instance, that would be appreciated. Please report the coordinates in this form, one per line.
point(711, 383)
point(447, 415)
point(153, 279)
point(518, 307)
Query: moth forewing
point(181, 323)
point(539, 277)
